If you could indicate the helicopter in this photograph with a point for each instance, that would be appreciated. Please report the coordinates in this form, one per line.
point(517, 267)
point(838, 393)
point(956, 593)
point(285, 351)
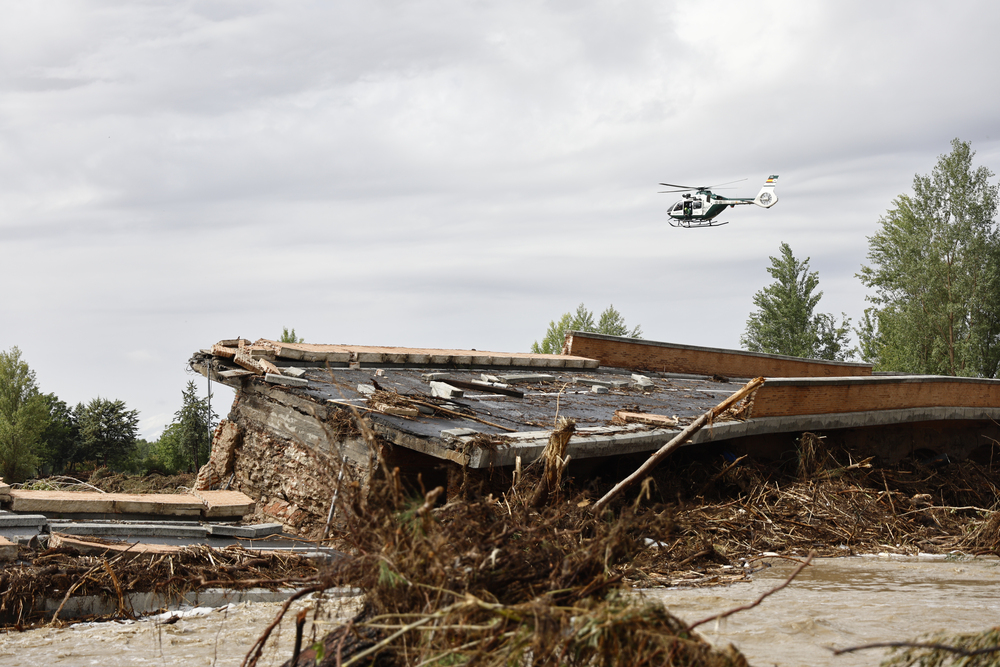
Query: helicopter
point(701, 208)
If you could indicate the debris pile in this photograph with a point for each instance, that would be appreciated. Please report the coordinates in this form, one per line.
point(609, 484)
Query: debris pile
point(58, 574)
point(496, 581)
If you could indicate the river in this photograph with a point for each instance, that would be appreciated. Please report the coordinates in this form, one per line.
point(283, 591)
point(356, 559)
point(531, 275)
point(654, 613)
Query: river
point(834, 603)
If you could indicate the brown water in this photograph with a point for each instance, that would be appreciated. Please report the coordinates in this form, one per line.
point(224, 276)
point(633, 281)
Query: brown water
point(841, 602)
point(220, 637)
point(834, 603)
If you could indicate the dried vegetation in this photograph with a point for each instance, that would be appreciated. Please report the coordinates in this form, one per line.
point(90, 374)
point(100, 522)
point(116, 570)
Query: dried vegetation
point(529, 574)
point(60, 573)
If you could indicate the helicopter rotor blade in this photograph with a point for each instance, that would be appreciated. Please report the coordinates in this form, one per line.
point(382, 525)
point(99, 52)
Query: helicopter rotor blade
point(684, 188)
point(740, 180)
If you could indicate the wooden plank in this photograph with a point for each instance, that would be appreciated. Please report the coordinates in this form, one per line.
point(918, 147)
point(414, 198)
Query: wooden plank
point(88, 548)
point(679, 440)
point(395, 410)
point(645, 418)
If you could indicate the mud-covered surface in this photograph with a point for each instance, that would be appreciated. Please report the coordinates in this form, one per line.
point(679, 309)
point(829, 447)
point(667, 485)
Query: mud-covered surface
point(686, 398)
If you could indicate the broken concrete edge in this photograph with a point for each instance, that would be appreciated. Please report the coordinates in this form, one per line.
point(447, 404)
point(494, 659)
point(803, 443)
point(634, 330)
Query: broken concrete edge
point(286, 380)
point(17, 525)
point(8, 550)
point(863, 380)
point(457, 359)
point(637, 438)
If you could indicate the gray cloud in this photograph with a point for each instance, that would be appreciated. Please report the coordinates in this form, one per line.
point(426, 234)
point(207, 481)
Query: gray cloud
point(445, 174)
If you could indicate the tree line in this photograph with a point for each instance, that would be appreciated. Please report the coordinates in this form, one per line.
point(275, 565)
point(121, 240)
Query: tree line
point(41, 434)
point(934, 274)
point(933, 271)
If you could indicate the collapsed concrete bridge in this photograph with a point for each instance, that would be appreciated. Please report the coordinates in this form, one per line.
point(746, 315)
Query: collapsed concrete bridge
point(292, 437)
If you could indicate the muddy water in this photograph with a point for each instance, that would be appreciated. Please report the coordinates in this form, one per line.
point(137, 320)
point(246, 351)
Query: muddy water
point(835, 603)
point(841, 602)
point(206, 637)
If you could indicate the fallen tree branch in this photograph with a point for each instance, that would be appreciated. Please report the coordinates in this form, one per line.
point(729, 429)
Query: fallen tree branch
point(934, 647)
point(678, 440)
point(765, 595)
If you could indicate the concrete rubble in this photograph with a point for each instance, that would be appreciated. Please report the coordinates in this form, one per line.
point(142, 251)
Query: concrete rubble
point(439, 414)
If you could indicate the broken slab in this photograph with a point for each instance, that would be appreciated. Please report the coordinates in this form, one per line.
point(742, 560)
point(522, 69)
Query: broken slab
point(121, 530)
point(599, 389)
point(234, 373)
point(457, 432)
point(515, 378)
point(641, 381)
point(9, 520)
point(8, 550)
point(286, 380)
point(254, 532)
point(444, 390)
point(225, 503)
point(93, 502)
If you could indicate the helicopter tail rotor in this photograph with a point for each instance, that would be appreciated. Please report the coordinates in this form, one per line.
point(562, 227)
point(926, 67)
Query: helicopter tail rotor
point(767, 197)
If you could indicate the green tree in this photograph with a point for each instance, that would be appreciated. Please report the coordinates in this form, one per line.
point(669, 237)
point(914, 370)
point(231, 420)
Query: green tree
point(784, 322)
point(23, 417)
point(170, 450)
point(934, 266)
point(611, 323)
point(107, 430)
point(60, 440)
point(289, 336)
point(193, 432)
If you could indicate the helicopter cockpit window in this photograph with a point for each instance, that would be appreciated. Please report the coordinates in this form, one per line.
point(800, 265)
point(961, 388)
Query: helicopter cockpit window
point(679, 207)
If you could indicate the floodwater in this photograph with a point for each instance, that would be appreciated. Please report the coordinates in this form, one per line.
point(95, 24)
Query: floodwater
point(202, 636)
point(841, 602)
point(835, 603)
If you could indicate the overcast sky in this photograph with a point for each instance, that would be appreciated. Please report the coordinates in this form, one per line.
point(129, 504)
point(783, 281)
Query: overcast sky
point(446, 174)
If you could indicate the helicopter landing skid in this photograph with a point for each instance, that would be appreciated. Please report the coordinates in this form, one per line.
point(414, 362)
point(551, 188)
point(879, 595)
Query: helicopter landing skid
point(695, 224)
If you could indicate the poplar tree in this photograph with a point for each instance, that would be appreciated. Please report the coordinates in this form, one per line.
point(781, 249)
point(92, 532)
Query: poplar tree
point(934, 266)
point(784, 322)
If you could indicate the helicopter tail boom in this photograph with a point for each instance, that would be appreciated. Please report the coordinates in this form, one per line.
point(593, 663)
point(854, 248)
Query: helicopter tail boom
point(767, 197)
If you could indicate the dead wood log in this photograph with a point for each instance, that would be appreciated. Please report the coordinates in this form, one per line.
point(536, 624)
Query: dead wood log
point(678, 440)
point(555, 460)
